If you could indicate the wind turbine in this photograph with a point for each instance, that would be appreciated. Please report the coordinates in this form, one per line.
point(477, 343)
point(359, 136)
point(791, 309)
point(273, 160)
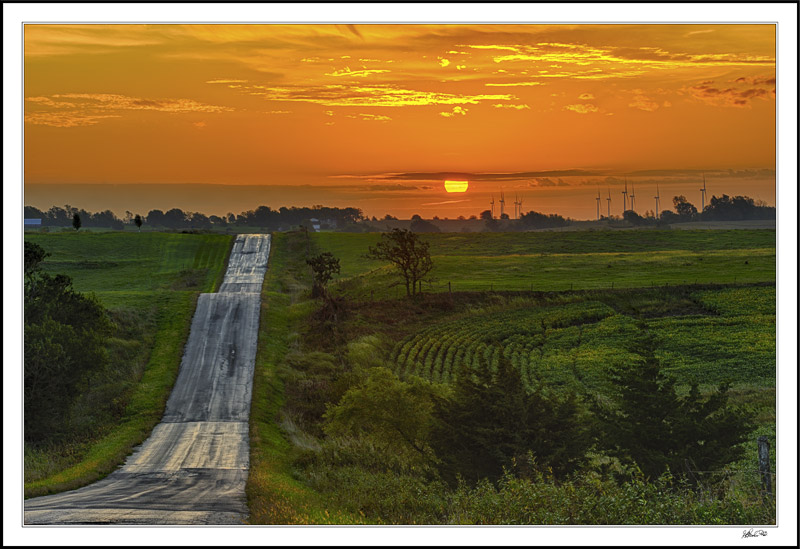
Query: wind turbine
point(703, 194)
point(633, 197)
point(609, 202)
point(502, 204)
point(520, 205)
point(516, 204)
point(657, 197)
point(492, 204)
point(598, 204)
point(625, 197)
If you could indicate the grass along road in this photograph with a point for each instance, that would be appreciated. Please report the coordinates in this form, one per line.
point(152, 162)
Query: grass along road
point(150, 283)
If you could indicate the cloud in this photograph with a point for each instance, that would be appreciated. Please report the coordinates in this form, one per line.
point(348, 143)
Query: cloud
point(617, 61)
point(363, 73)
point(643, 103)
point(506, 106)
point(547, 182)
point(123, 102)
point(692, 33)
point(445, 202)
point(444, 62)
point(456, 110)
point(510, 84)
point(379, 95)
point(471, 176)
point(754, 80)
point(87, 109)
point(199, 125)
point(66, 119)
point(585, 108)
point(226, 81)
point(727, 97)
point(586, 96)
point(370, 117)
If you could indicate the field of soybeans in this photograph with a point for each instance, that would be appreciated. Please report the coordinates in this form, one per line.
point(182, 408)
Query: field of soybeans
point(570, 305)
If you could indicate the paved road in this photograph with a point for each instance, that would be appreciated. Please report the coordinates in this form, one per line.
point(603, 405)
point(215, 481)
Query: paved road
point(193, 468)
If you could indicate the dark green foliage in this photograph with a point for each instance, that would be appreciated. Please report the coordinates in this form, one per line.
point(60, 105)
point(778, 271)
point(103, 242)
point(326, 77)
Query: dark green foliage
point(76, 221)
point(138, 221)
point(726, 208)
point(492, 421)
point(536, 220)
point(651, 426)
point(323, 267)
point(65, 336)
point(686, 210)
point(419, 225)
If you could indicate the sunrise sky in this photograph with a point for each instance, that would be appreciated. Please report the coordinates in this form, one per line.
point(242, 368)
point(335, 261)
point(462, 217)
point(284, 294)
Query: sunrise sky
point(379, 116)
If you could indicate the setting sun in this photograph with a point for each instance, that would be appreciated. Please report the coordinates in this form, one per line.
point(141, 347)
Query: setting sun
point(456, 186)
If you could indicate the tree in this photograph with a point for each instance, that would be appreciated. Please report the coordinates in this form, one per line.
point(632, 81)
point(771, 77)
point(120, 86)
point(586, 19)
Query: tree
point(65, 336)
point(395, 414)
point(323, 267)
point(138, 222)
point(633, 218)
point(76, 221)
point(650, 425)
point(492, 421)
point(411, 256)
point(419, 225)
point(537, 220)
point(685, 209)
point(486, 215)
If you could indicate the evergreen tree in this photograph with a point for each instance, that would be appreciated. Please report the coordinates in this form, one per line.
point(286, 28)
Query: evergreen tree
point(650, 425)
point(492, 421)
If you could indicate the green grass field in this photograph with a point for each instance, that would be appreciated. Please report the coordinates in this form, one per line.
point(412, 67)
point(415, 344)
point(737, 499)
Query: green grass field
point(149, 282)
point(554, 261)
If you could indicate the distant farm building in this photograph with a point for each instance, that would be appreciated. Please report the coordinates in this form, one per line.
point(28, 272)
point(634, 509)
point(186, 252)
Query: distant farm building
point(33, 222)
point(315, 223)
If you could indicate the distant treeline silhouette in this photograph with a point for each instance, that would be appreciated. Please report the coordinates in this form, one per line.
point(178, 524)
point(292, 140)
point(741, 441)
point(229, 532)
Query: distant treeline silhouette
point(723, 208)
point(262, 217)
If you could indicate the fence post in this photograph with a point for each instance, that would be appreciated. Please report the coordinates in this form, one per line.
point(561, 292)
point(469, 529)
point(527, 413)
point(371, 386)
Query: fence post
point(763, 464)
point(449, 287)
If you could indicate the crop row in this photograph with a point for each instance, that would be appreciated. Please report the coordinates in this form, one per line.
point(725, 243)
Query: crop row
point(522, 335)
point(576, 343)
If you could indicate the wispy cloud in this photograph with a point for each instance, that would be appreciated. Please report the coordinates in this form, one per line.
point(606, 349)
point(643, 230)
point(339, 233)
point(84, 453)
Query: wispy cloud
point(69, 110)
point(511, 84)
point(370, 117)
point(225, 81)
point(693, 33)
point(509, 106)
point(387, 95)
point(729, 96)
point(359, 73)
point(444, 202)
point(584, 108)
point(456, 111)
point(643, 103)
point(654, 57)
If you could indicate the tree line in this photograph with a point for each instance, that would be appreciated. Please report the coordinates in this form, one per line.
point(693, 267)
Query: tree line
point(719, 208)
point(722, 208)
point(262, 217)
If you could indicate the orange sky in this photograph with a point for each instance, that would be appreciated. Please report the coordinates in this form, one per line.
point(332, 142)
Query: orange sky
point(380, 115)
